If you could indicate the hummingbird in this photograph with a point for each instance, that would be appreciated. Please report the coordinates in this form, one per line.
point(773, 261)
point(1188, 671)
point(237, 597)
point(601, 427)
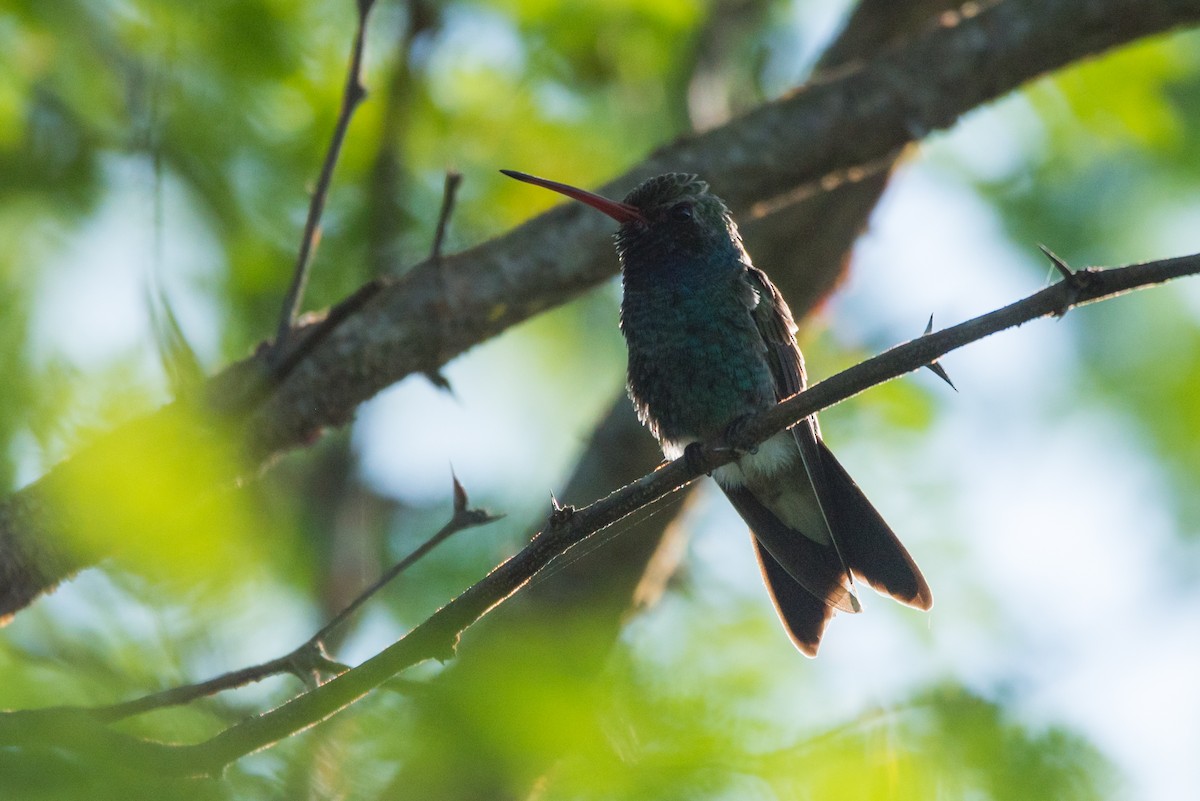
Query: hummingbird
point(711, 341)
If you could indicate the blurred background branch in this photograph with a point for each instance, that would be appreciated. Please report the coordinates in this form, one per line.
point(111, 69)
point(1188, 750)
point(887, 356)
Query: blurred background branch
point(120, 158)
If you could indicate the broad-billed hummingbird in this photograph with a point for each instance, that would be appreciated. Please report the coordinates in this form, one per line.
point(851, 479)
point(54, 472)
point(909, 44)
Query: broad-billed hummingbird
point(711, 341)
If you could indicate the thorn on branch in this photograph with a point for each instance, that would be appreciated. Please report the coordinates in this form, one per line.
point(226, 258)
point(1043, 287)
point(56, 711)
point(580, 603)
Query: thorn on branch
point(1073, 283)
point(465, 516)
point(559, 514)
point(937, 369)
point(1063, 268)
point(460, 493)
point(449, 193)
point(311, 663)
point(439, 380)
point(935, 366)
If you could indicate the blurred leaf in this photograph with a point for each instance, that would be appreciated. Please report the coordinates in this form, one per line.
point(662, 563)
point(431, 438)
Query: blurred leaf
point(135, 494)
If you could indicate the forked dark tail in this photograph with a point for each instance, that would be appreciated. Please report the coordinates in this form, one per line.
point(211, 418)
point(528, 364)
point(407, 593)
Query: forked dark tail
point(813, 584)
point(871, 549)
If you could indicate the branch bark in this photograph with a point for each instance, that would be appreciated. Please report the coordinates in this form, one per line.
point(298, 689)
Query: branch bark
point(437, 637)
point(839, 125)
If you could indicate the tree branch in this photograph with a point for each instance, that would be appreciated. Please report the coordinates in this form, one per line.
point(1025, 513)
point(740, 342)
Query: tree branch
point(309, 657)
point(437, 636)
point(399, 326)
point(352, 96)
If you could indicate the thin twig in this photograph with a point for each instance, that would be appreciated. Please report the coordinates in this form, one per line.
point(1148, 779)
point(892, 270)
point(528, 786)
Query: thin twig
point(353, 95)
point(310, 657)
point(438, 635)
point(283, 360)
point(176, 696)
point(463, 518)
point(449, 193)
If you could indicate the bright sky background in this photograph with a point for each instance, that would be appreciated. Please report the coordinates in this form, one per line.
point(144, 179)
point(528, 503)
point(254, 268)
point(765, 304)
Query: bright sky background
point(1049, 515)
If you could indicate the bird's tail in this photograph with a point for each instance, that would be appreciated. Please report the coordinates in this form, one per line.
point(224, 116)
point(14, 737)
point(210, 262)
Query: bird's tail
point(871, 549)
point(807, 579)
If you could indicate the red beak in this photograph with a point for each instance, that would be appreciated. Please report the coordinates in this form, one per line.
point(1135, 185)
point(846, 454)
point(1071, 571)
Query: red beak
point(621, 212)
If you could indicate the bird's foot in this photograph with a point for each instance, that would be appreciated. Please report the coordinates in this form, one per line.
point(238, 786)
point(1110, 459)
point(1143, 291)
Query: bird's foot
point(735, 439)
point(693, 457)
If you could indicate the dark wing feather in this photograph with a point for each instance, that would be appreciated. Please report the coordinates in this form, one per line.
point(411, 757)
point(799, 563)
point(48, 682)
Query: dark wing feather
point(778, 330)
point(868, 544)
point(810, 565)
point(863, 540)
point(803, 615)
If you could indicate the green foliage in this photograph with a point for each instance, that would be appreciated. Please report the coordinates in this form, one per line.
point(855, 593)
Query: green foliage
point(227, 106)
point(1118, 200)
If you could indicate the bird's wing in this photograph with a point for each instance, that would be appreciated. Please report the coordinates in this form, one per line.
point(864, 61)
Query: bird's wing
point(863, 542)
point(807, 563)
point(803, 614)
point(778, 330)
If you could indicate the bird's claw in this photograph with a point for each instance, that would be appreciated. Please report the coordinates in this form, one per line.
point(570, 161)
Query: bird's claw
point(735, 438)
point(693, 457)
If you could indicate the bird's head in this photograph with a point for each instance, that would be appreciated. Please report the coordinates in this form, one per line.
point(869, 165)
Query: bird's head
point(666, 217)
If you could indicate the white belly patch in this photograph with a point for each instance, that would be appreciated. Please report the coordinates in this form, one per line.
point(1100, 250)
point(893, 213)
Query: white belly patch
point(791, 499)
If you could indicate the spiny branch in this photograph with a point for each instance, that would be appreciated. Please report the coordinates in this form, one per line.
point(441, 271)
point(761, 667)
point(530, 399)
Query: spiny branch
point(464, 517)
point(936, 367)
point(309, 659)
point(437, 637)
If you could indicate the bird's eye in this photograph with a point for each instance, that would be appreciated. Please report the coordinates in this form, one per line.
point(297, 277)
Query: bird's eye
point(681, 211)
